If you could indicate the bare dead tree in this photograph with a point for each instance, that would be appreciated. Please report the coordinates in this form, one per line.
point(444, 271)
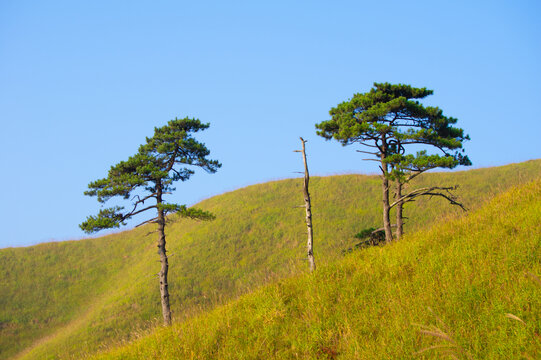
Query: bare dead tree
point(308, 207)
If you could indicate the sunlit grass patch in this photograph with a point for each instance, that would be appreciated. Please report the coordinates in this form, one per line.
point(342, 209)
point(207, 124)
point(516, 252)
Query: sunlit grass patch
point(65, 299)
point(462, 289)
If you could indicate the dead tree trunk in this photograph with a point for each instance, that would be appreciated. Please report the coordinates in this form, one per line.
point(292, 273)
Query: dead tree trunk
point(164, 286)
point(308, 207)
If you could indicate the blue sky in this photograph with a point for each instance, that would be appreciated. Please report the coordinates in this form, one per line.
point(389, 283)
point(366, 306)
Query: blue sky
point(83, 82)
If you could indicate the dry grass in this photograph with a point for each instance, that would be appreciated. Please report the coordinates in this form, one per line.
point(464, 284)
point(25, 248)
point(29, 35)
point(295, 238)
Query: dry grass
point(61, 300)
point(469, 270)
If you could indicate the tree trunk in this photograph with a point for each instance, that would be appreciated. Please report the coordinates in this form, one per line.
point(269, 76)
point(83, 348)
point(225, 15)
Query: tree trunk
point(385, 190)
point(399, 218)
point(164, 287)
point(308, 206)
point(386, 211)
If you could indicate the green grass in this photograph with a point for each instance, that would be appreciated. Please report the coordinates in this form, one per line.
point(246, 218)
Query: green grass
point(465, 288)
point(60, 300)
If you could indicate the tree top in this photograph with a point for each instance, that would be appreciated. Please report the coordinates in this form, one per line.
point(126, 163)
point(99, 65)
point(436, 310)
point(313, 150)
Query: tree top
point(392, 112)
point(170, 155)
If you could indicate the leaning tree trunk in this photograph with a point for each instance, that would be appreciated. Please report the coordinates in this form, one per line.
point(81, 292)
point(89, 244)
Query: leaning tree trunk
point(399, 206)
point(308, 206)
point(164, 287)
point(385, 191)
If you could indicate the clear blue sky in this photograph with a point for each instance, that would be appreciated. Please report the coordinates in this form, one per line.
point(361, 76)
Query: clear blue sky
point(83, 82)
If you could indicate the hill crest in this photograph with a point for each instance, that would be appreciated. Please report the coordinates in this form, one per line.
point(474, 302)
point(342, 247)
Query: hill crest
point(257, 237)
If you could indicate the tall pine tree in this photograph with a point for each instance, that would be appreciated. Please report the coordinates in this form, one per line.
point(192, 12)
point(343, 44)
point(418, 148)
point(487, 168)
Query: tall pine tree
point(169, 156)
point(388, 120)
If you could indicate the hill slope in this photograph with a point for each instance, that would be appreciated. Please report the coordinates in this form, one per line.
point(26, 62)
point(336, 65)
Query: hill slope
point(467, 288)
point(63, 299)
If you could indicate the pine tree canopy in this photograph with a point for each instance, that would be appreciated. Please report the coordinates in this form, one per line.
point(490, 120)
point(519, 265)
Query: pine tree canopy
point(170, 155)
point(388, 118)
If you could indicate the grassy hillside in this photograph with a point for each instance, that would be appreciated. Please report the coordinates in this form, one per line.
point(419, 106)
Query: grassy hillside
point(467, 288)
point(59, 300)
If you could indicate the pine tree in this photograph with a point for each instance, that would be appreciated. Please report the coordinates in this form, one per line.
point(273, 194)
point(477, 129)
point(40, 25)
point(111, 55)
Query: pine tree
point(169, 156)
point(388, 120)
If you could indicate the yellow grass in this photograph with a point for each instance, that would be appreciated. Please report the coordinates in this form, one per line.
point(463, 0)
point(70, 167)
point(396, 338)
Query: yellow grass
point(61, 300)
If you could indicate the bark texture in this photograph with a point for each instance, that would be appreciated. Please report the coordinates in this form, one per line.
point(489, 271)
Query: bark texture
point(399, 217)
point(164, 286)
point(385, 191)
point(308, 207)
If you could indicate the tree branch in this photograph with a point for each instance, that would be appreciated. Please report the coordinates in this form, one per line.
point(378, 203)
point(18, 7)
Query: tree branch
point(133, 212)
point(172, 159)
point(429, 191)
point(416, 173)
point(143, 199)
point(368, 145)
point(368, 152)
point(147, 221)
